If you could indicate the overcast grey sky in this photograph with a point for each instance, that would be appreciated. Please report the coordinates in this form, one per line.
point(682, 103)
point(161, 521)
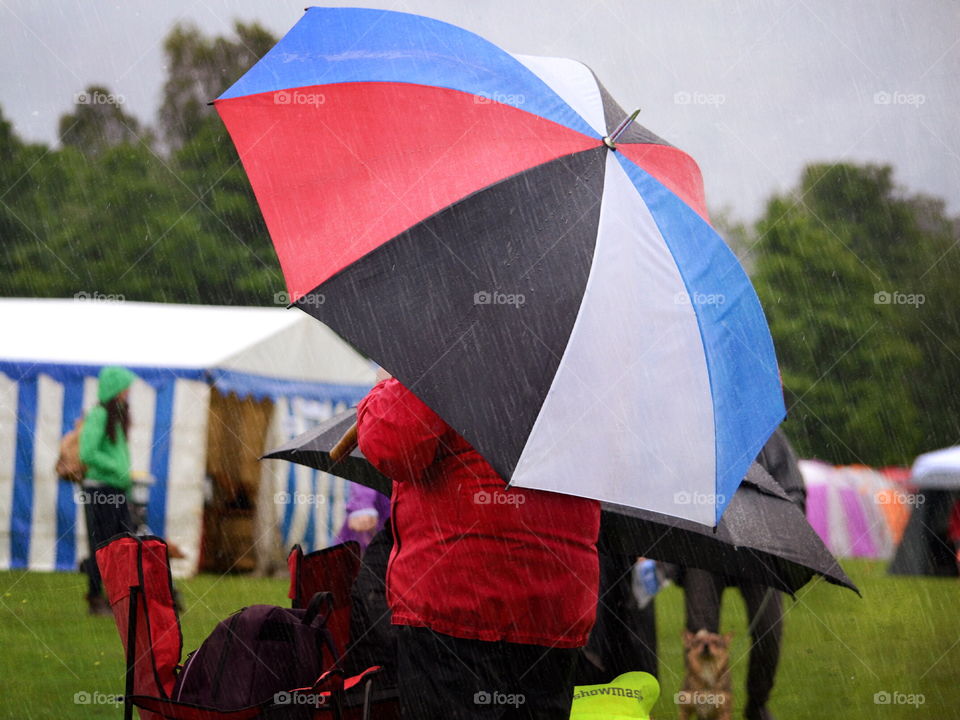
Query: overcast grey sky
point(753, 89)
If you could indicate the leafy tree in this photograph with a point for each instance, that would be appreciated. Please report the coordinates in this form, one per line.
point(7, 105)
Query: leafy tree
point(206, 163)
point(846, 269)
point(227, 210)
point(15, 161)
point(201, 68)
point(934, 326)
point(98, 122)
point(110, 212)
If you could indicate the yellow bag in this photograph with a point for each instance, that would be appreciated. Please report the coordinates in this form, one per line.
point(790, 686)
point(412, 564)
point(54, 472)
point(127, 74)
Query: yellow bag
point(630, 696)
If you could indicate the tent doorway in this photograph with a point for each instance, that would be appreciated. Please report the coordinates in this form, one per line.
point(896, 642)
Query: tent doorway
point(236, 433)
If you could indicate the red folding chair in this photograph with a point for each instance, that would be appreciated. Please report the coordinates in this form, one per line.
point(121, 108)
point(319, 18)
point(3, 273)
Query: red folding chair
point(334, 570)
point(136, 576)
point(330, 570)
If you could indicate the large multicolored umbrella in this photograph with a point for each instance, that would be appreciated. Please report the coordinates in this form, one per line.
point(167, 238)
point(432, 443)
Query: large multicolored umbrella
point(496, 232)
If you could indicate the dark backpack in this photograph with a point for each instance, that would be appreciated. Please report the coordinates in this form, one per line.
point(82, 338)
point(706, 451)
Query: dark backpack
point(257, 654)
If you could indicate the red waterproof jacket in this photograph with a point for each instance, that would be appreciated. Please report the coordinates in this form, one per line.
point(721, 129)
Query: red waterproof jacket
point(471, 559)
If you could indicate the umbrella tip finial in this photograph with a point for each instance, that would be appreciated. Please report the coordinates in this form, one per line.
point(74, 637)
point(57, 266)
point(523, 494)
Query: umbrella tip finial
point(611, 140)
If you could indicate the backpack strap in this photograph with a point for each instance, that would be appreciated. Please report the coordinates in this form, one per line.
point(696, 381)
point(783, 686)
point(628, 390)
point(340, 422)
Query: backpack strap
point(315, 605)
point(323, 601)
point(324, 636)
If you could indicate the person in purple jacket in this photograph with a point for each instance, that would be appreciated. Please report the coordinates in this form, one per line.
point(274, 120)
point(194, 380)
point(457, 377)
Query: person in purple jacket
point(367, 512)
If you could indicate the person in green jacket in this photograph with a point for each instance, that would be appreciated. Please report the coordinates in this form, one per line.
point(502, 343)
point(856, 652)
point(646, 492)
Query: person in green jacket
point(105, 452)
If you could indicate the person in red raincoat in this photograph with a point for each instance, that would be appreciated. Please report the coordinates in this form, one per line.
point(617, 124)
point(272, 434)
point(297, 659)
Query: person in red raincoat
point(493, 589)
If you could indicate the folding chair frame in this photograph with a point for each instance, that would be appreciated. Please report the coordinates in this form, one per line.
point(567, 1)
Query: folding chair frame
point(331, 686)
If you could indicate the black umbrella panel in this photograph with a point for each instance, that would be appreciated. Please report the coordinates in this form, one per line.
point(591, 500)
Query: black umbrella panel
point(762, 537)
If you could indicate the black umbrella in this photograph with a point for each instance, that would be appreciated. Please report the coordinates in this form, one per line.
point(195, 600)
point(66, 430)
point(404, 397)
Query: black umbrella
point(763, 537)
point(312, 449)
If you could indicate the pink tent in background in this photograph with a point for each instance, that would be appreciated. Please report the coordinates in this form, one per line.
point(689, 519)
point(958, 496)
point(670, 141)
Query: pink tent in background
point(858, 511)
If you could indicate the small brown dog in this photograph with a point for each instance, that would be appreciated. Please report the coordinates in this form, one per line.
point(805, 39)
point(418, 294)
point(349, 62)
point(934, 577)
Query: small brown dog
point(706, 693)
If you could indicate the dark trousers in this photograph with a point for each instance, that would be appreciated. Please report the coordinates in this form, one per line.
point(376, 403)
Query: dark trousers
point(373, 639)
point(703, 591)
point(107, 514)
point(448, 678)
point(624, 637)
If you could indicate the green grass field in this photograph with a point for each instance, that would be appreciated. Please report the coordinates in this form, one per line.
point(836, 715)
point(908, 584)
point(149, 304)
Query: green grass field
point(839, 650)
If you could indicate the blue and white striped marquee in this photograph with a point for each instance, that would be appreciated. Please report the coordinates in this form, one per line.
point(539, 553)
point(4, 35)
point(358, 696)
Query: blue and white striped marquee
point(41, 395)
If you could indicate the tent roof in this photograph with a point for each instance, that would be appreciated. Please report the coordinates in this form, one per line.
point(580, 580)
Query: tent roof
point(271, 342)
point(940, 469)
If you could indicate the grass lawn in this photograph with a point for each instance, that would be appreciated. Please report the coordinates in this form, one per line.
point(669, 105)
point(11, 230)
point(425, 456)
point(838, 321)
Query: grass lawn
point(839, 650)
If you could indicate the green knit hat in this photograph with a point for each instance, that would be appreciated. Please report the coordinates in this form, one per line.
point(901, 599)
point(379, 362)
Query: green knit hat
point(113, 381)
